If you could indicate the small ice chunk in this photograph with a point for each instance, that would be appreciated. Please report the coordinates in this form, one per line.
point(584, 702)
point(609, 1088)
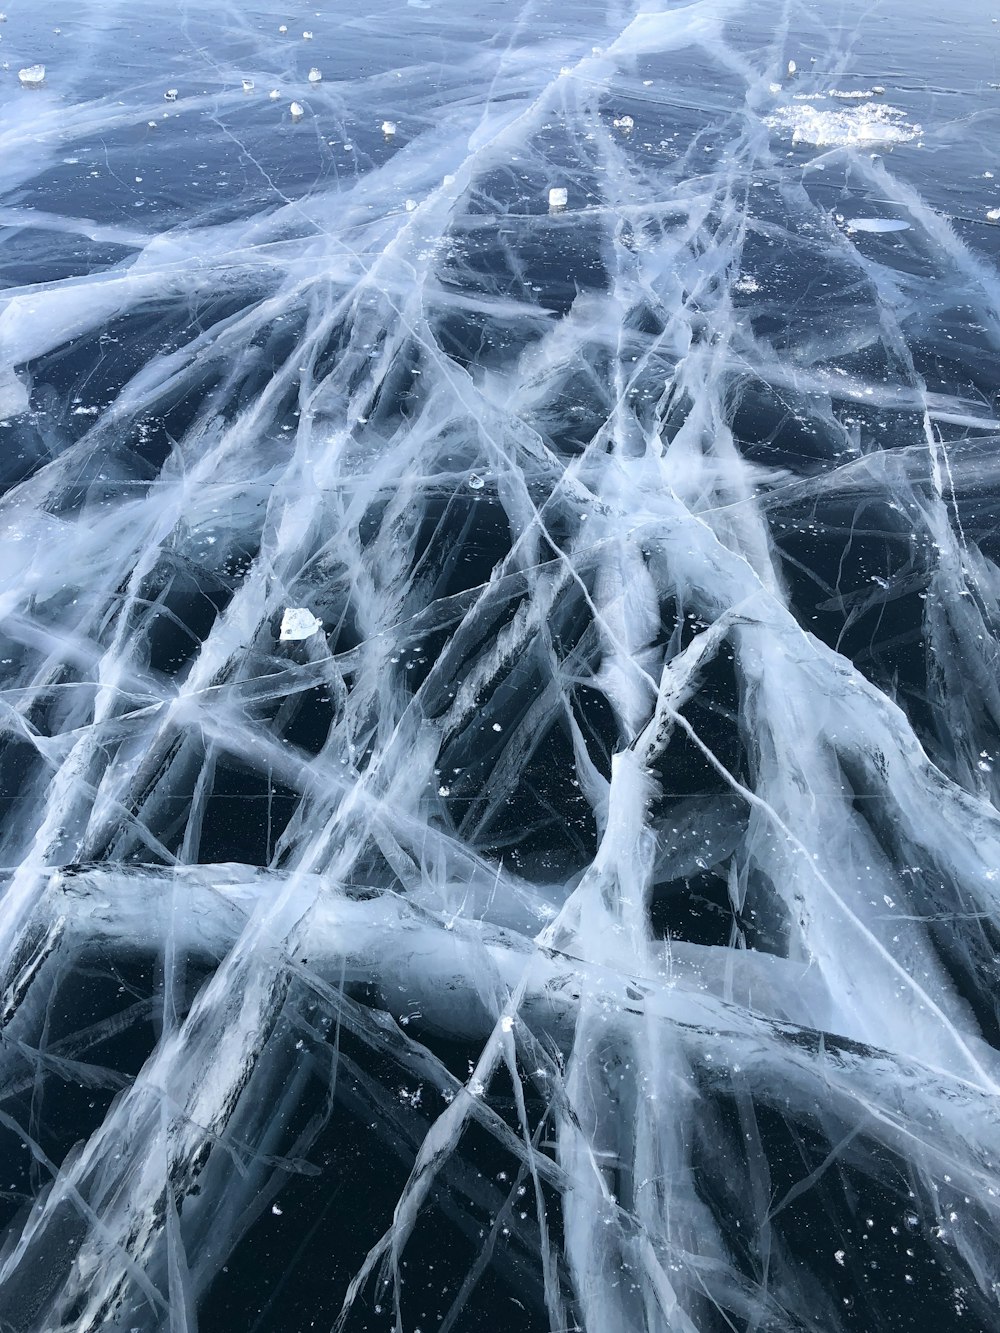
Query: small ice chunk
point(170, 95)
point(476, 482)
point(625, 123)
point(558, 196)
point(33, 76)
point(774, 88)
point(388, 128)
point(308, 36)
point(297, 110)
point(993, 215)
point(506, 1023)
point(274, 94)
point(878, 90)
point(248, 85)
point(297, 622)
point(314, 76)
point(283, 27)
point(14, 397)
point(792, 67)
point(410, 205)
point(877, 224)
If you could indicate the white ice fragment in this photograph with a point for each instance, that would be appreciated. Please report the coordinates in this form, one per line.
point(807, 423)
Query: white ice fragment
point(33, 76)
point(410, 205)
point(993, 215)
point(747, 283)
point(297, 622)
point(274, 94)
point(475, 482)
point(283, 27)
point(314, 75)
point(307, 36)
point(297, 110)
point(13, 395)
point(839, 1256)
point(792, 67)
point(625, 123)
point(859, 123)
point(506, 1023)
point(878, 90)
point(248, 85)
point(388, 128)
point(774, 88)
point(558, 196)
point(170, 95)
point(877, 224)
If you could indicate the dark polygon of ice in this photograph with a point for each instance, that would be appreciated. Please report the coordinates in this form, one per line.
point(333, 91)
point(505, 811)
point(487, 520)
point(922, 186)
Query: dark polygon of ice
point(499, 692)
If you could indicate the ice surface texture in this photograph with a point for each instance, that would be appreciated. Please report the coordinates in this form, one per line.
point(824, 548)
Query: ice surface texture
point(500, 706)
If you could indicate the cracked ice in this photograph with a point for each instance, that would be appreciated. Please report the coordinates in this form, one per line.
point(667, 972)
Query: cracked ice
point(499, 615)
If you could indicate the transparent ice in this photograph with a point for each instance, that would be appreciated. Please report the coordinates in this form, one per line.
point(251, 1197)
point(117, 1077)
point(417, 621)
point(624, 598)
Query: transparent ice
point(500, 704)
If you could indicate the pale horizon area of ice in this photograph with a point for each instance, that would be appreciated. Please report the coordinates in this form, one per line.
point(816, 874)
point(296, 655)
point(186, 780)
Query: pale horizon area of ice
point(499, 667)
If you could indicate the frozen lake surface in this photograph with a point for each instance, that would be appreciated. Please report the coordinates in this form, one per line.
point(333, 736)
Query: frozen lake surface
point(500, 667)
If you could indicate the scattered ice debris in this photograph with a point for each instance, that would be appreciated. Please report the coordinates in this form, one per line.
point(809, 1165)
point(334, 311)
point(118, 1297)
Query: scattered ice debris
point(297, 110)
point(248, 85)
point(314, 75)
point(33, 76)
point(170, 95)
point(863, 123)
point(297, 622)
point(388, 128)
point(993, 215)
point(558, 196)
point(625, 123)
point(877, 224)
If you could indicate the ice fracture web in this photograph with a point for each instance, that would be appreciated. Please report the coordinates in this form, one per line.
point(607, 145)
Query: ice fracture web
point(500, 702)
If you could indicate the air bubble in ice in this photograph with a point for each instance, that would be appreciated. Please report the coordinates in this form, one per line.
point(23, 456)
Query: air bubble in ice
point(33, 76)
point(297, 622)
point(877, 224)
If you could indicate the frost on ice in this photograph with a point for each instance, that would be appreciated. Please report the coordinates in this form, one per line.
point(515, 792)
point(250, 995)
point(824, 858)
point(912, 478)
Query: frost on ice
point(500, 710)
